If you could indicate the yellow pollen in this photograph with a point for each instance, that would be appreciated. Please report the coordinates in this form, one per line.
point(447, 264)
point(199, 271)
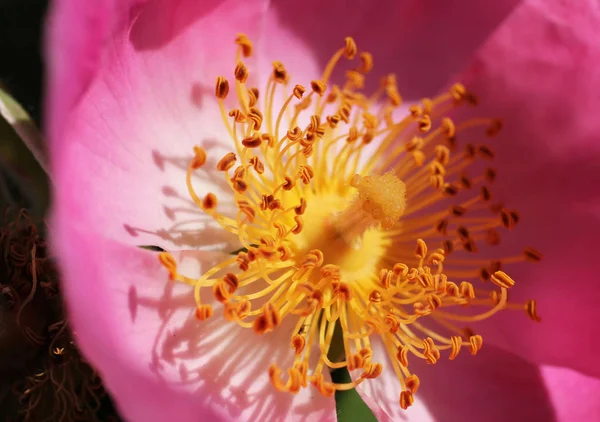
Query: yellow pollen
point(384, 244)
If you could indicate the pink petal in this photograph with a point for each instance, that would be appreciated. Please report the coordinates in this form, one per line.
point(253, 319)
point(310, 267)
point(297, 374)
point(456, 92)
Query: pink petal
point(74, 50)
point(139, 330)
point(541, 74)
point(494, 386)
point(139, 91)
point(576, 396)
point(422, 42)
point(150, 101)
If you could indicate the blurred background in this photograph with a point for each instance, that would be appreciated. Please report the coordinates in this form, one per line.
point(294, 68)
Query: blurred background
point(42, 375)
point(20, 46)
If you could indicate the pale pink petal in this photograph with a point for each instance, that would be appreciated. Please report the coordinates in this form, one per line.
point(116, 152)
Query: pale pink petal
point(576, 396)
point(494, 386)
point(74, 50)
point(157, 360)
point(122, 155)
point(541, 74)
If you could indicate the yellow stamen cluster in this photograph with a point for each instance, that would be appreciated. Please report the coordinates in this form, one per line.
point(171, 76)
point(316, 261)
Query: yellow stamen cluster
point(336, 239)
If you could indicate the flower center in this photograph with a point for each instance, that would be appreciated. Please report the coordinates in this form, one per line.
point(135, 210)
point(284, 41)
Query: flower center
point(336, 238)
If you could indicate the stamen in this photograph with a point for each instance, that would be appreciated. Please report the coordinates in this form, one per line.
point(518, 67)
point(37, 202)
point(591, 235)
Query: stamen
point(333, 241)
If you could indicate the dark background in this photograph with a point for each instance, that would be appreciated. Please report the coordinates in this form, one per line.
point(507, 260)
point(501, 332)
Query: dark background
point(21, 72)
point(22, 75)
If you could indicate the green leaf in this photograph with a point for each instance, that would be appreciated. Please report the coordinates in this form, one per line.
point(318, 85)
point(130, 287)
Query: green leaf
point(349, 405)
point(23, 180)
point(25, 127)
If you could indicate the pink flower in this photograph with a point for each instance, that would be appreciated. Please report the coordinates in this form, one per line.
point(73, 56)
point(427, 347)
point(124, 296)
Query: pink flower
point(132, 91)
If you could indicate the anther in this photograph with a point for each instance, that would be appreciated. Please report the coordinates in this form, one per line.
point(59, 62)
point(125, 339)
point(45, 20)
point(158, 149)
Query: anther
point(350, 48)
point(333, 121)
point(532, 255)
point(501, 279)
point(424, 123)
point(448, 128)
point(448, 246)
point(305, 173)
point(253, 95)
point(375, 296)
point(458, 91)
point(298, 343)
point(456, 345)
point(299, 91)
point(485, 193)
point(241, 72)
point(226, 162)
point(414, 144)
point(450, 189)
point(442, 154)
point(406, 399)
point(239, 185)
point(257, 164)
point(221, 292)
point(485, 152)
point(288, 183)
point(494, 128)
point(373, 371)
point(355, 78)
point(294, 133)
point(531, 310)
point(467, 290)
point(492, 237)
point(238, 115)
point(342, 290)
point(299, 224)
point(475, 344)
point(299, 210)
point(452, 289)
point(442, 226)
point(280, 75)
point(246, 45)
point(209, 202)
point(203, 312)
point(458, 210)
point(484, 274)
point(421, 249)
point(402, 356)
point(168, 261)
point(469, 245)
point(256, 117)
point(366, 62)
point(470, 151)
point(252, 142)
point(393, 95)
point(327, 389)
point(413, 383)
point(385, 278)
point(199, 158)
point(400, 269)
point(314, 258)
point(222, 88)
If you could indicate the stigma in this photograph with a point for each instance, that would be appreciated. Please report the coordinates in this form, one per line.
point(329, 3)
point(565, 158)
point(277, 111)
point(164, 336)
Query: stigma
point(352, 219)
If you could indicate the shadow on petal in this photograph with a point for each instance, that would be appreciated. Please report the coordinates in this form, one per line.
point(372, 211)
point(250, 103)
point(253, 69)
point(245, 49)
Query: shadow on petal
point(422, 42)
point(148, 32)
point(494, 386)
point(224, 363)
